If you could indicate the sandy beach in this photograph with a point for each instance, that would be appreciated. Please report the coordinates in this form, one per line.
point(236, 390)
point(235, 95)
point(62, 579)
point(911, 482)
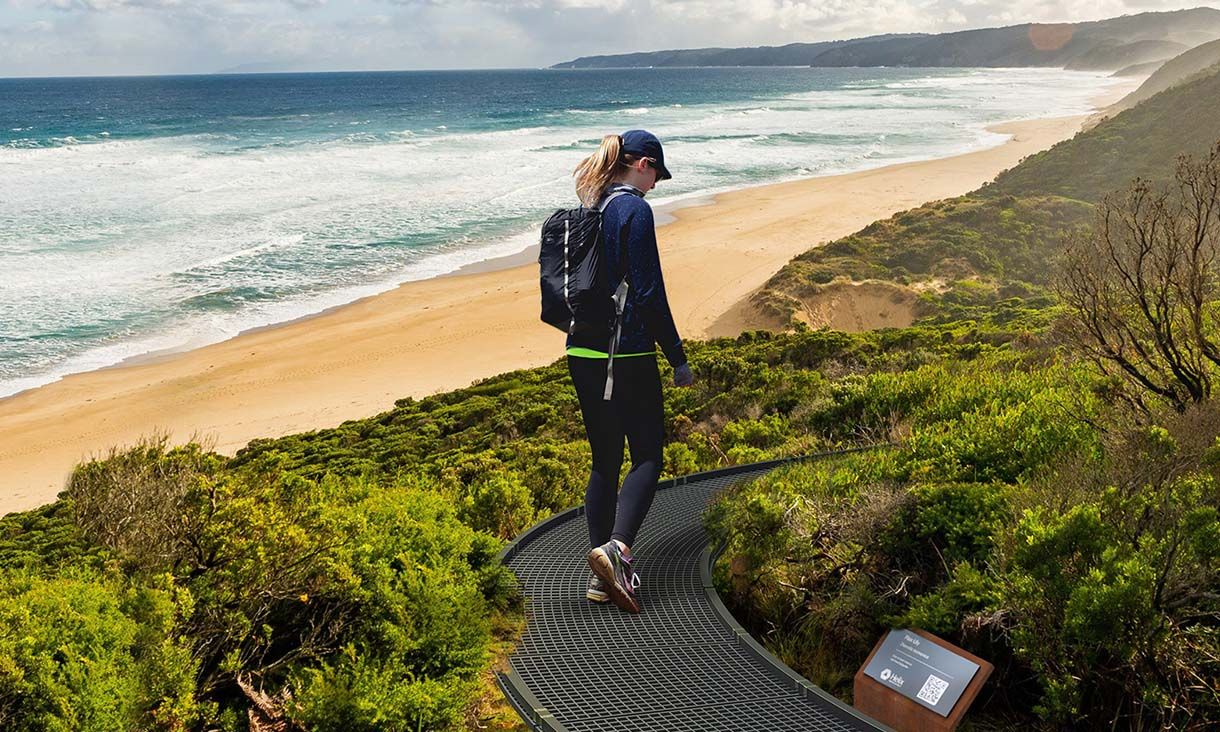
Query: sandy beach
point(441, 334)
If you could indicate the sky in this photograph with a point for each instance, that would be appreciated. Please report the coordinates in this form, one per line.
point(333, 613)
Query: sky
point(109, 37)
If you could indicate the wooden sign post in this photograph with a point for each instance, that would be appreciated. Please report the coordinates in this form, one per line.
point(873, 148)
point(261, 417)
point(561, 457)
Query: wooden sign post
point(915, 681)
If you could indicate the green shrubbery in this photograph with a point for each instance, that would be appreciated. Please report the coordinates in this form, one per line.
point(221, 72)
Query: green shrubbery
point(981, 252)
point(83, 649)
point(421, 593)
point(1025, 518)
point(372, 604)
point(347, 576)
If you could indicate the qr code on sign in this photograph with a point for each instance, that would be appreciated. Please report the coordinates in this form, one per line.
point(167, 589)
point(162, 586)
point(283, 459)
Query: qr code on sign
point(932, 689)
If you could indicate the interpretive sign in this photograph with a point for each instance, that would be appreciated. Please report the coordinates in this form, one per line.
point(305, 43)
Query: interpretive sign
point(918, 669)
point(912, 675)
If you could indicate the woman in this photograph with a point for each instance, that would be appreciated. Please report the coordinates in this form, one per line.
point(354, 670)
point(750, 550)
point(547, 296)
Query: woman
point(630, 163)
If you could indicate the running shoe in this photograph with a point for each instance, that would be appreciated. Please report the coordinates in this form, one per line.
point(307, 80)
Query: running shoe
point(613, 566)
point(597, 590)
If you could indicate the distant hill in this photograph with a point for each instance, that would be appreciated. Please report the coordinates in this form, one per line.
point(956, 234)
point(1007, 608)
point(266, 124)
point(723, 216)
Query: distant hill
point(1121, 55)
point(961, 257)
point(1175, 71)
point(1140, 69)
point(1103, 44)
point(1143, 141)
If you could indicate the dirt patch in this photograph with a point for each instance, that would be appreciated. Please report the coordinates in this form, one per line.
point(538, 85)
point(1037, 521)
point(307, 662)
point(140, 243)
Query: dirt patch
point(744, 315)
point(860, 306)
point(938, 285)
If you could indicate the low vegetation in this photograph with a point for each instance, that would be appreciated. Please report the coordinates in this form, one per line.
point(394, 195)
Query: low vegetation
point(346, 578)
point(1054, 504)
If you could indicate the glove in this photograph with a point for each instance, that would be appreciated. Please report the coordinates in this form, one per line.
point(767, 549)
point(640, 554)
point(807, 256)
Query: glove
point(683, 375)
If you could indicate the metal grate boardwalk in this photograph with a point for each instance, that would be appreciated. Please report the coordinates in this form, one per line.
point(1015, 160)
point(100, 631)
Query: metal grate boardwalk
point(683, 664)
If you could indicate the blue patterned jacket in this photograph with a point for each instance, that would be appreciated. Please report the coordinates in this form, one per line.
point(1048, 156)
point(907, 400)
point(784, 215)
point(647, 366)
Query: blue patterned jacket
point(627, 222)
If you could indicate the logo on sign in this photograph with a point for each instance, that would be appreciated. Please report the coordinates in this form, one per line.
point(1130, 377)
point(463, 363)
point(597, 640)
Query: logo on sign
point(886, 674)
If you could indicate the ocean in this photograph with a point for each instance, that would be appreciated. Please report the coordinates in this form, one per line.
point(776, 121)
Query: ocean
point(146, 214)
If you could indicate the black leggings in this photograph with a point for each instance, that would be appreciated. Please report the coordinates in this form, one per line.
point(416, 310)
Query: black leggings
point(635, 411)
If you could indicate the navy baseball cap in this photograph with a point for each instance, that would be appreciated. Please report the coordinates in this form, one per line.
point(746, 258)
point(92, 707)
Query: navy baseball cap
point(645, 144)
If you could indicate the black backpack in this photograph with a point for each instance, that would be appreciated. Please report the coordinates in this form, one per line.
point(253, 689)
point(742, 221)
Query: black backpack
point(576, 294)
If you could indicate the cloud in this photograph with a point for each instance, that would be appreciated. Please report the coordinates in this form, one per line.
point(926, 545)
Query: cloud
point(200, 36)
point(108, 5)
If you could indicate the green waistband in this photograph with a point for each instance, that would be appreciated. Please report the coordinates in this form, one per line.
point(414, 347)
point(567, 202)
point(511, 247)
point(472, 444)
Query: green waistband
point(590, 353)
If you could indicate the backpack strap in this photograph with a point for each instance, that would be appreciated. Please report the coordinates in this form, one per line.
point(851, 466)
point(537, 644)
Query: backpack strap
point(620, 300)
point(601, 207)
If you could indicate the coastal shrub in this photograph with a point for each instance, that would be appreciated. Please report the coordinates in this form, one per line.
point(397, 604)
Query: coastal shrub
point(1109, 598)
point(769, 431)
point(138, 501)
point(1085, 569)
point(969, 593)
point(760, 524)
point(84, 650)
point(791, 377)
point(421, 627)
point(970, 246)
point(45, 540)
point(316, 585)
point(869, 404)
point(960, 520)
point(822, 556)
point(680, 459)
point(554, 473)
point(501, 412)
point(392, 572)
point(1018, 429)
point(1084, 608)
point(500, 504)
point(365, 694)
point(705, 448)
point(803, 560)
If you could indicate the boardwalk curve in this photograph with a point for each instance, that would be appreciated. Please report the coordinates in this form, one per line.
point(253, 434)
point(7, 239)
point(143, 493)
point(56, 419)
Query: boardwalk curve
point(683, 665)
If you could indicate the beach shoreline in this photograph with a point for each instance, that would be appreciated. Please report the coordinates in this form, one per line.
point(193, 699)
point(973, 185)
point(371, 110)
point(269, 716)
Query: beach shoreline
point(354, 360)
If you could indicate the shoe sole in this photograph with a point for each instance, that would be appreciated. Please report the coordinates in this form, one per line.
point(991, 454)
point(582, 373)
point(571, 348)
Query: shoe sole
point(601, 566)
point(597, 597)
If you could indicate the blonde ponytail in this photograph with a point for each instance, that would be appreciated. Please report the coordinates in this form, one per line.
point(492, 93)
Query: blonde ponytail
point(597, 171)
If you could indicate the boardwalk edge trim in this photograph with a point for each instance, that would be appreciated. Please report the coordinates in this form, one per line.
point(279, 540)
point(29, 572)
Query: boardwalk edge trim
point(539, 718)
